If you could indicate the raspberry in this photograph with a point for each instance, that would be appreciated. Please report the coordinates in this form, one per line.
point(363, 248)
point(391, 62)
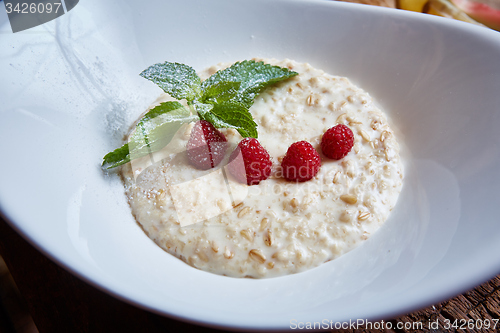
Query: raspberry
point(301, 162)
point(250, 163)
point(206, 146)
point(337, 142)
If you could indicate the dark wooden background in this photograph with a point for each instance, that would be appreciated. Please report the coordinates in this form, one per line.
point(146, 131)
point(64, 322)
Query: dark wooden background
point(59, 302)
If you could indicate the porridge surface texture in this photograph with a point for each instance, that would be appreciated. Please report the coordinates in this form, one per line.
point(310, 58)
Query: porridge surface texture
point(277, 227)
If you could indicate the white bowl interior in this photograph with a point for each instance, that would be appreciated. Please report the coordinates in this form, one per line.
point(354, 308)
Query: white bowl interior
point(71, 88)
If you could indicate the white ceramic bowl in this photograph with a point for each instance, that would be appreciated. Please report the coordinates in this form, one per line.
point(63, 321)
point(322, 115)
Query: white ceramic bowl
point(70, 88)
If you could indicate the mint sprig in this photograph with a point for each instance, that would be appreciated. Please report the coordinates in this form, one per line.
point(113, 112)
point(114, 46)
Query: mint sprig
point(178, 80)
point(224, 99)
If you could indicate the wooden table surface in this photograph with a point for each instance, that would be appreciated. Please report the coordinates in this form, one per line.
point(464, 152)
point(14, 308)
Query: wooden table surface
point(61, 302)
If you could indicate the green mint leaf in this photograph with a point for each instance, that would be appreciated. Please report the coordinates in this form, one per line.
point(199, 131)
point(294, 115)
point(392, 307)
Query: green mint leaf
point(232, 115)
point(153, 132)
point(202, 108)
point(116, 158)
point(254, 77)
point(171, 109)
point(223, 99)
point(220, 92)
point(178, 80)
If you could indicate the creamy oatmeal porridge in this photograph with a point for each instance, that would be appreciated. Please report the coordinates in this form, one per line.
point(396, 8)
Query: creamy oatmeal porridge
point(277, 227)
